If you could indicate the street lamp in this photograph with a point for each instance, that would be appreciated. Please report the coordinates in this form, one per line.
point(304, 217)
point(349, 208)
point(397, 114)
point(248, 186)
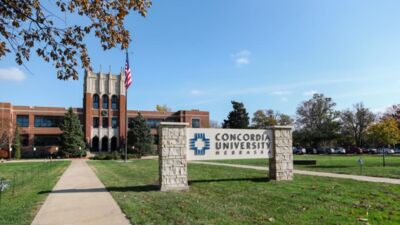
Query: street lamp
point(34, 152)
point(80, 152)
point(126, 153)
point(10, 152)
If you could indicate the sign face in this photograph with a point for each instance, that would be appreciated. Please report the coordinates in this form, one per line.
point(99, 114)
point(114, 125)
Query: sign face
point(214, 144)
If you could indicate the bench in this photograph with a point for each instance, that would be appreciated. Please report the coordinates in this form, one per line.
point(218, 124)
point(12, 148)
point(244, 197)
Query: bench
point(305, 162)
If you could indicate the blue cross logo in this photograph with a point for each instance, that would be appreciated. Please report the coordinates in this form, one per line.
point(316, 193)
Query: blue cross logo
point(199, 144)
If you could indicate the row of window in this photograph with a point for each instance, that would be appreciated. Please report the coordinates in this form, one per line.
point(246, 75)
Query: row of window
point(54, 140)
point(40, 121)
point(56, 121)
point(154, 123)
point(114, 122)
point(41, 140)
point(96, 101)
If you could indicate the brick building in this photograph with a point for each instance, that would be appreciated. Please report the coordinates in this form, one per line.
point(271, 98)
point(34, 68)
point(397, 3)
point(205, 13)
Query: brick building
point(102, 116)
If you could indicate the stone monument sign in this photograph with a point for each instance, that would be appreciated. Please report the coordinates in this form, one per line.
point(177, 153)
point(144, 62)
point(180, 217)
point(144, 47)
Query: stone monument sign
point(179, 144)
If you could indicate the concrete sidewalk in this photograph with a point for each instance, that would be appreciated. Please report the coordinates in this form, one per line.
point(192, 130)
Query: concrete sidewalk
point(79, 198)
point(312, 173)
point(32, 160)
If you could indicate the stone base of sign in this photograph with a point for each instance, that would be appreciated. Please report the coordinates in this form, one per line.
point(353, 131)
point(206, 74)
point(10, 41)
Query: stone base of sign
point(172, 157)
point(281, 162)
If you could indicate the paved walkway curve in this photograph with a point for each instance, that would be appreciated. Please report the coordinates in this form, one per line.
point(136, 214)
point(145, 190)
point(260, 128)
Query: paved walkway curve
point(312, 173)
point(79, 198)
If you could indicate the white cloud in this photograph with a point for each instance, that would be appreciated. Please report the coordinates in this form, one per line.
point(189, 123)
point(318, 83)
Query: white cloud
point(12, 74)
point(242, 58)
point(282, 93)
point(301, 84)
point(309, 93)
point(196, 92)
point(284, 99)
point(379, 110)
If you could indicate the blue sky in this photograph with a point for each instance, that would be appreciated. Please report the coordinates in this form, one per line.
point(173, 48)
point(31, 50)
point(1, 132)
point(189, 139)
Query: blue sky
point(268, 54)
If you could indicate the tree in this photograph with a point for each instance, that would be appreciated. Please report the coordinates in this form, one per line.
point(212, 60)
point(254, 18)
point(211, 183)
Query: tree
point(140, 136)
point(393, 112)
point(17, 144)
point(264, 118)
point(72, 137)
point(384, 133)
point(355, 122)
point(29, 25)
point(6, 132)
point(317, 120)
point(163, 108)
point(238, 117)
point(285, 120)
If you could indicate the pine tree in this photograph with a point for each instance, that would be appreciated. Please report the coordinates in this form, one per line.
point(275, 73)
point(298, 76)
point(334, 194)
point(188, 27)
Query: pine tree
point(17, 144)
point(140, 136)
point(238, 117)
point(72, 136)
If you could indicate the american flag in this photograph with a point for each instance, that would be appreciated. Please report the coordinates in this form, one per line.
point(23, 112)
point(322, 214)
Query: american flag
point(128, 75)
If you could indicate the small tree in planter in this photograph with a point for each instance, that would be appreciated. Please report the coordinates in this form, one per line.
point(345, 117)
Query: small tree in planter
point(17, 144)
point(72, 139)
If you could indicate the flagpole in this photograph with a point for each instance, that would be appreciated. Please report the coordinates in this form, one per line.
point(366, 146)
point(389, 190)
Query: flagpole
point(128, 82)
point(126, 113)
point(126, 124)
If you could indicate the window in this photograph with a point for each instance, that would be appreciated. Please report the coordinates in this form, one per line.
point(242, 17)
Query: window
point(153, 123)
point(105, 122)
point(114, 143)
point(95, 122)
point(196, 123)
point(105, 102)
point(23, 121)
point(48, 121)
point(114, 102)
point(104, 144)
point(156, 139)
point(172, 119)
point(114, 122)
point(95, 101)
point(95, 144)
point(46, 140)
point(24, 140)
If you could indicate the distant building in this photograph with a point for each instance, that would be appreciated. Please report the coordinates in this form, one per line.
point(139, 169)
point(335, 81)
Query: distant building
point(102, 116)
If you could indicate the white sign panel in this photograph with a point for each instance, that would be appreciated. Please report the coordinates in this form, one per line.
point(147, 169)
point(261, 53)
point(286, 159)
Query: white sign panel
point(214, 144)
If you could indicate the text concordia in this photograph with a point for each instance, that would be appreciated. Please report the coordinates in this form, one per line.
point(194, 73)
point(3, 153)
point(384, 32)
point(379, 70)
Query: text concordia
point(225, 141)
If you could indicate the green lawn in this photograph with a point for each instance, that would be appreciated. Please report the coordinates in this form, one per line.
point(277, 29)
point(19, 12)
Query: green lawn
point(20, 202)
point(347, 164)
point(221, 195)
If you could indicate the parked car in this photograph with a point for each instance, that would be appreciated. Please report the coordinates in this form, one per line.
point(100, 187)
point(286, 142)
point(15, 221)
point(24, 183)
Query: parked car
point(321, 150)
point(310, 150)
point(397, 150)
point(371, 151)
point(385, 150)
point(329, 150)
point(299, 150)
point(339, 150)
point(355, 150)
